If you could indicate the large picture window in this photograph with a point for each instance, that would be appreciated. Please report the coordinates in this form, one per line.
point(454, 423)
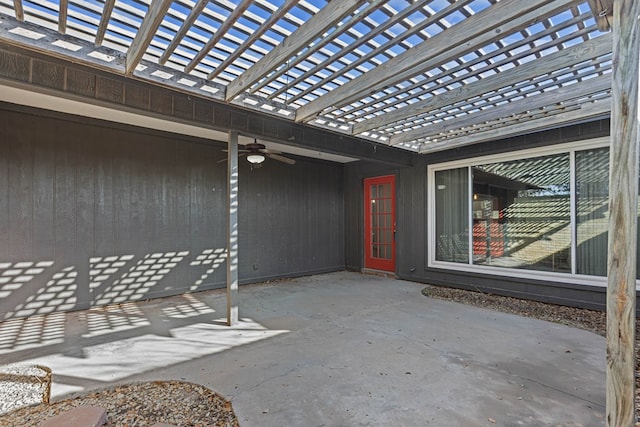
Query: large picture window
point(521, 213)
point(542, 210)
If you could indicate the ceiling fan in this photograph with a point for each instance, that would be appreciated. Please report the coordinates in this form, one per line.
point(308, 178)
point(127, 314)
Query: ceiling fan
point(256, 154)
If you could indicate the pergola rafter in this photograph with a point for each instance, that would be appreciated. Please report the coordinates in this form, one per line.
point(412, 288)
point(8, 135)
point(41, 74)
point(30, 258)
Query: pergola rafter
point(62, 19)
point(19, 11)
point(476, 30)
point(226, 25)
point(378, 50)
point(253, 37)
point(476, 67)
point(312, 29)
point(104, 21)
point(555, 61)
point(316, 47)
point(148, 28)
point(186, 26)
point(560, 98)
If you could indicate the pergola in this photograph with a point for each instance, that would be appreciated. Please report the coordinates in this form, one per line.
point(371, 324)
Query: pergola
point(421, 76)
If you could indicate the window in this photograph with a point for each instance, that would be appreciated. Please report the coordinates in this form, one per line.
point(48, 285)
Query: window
point(543, 210)
point(452, 224)
point(521, 213)
point(592, 211)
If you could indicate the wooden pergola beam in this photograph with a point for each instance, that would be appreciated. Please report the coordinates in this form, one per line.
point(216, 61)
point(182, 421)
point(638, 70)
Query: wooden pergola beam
point(552, 62)
point(19, 10)
point(62, 16)
point(275, 17)
point(217, 36)
point(104, 21)
point(468, 34)
point(603, 13)
point(326, 18)
point(150, 23)
point(550, 98)
point(623, 215)
point(184, 29)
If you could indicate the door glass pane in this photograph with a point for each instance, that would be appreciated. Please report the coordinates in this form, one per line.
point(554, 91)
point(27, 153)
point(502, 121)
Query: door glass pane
point(521, 214)
point(592, 211)
point(381, 214)
point(452, 215)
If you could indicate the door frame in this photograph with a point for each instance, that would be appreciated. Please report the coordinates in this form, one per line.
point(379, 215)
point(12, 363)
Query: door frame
point(371, 262)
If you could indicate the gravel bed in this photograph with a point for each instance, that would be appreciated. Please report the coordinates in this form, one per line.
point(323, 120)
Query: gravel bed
point(590, 320)
point(23, 385)
point(140, 404)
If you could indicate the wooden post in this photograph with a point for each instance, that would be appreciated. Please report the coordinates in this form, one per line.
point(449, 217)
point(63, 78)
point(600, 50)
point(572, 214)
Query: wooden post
point(623, 213)
point(232, 232)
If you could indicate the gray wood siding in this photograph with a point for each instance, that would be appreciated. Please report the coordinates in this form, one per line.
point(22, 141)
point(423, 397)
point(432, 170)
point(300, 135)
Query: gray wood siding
point(95, 214)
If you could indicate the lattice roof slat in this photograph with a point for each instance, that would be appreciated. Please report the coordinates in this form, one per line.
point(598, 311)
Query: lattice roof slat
point(318, 47)
point(441, 48)
point(432, 78)
point(381, 48)
point(430, 85)
point(251, 39)
point(531, 69)
point(422, 76)
point(326, 18)
point(217, 36)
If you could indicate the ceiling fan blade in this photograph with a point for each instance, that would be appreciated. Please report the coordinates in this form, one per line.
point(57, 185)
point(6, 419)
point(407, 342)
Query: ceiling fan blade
point(269, 151)
point(281, 158)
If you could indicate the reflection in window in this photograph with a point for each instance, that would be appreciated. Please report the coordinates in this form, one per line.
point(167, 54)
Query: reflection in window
point(452, 215)
point(592, 211)
point(522, 214)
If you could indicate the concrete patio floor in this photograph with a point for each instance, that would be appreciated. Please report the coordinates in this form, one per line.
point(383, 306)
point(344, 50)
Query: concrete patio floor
point(340, 349)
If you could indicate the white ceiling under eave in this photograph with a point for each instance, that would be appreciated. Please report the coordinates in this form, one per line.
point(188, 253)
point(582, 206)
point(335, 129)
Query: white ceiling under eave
point(419, 75)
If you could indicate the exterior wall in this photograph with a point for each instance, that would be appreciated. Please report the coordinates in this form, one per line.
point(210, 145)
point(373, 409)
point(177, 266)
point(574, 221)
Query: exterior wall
point(93, 213)
point(412, 238)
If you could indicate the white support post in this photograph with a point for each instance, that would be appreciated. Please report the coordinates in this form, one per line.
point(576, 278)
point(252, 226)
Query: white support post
point(232, 233)
point(623, 214)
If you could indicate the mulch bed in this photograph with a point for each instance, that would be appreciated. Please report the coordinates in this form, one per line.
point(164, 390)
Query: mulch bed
point(140, 404)
point(590, 320)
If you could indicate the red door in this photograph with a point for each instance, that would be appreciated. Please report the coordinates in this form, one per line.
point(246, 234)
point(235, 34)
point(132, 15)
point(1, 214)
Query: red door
point(380, 223)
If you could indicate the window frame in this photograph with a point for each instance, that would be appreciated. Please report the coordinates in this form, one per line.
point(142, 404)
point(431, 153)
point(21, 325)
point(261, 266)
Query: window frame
point(570, 148)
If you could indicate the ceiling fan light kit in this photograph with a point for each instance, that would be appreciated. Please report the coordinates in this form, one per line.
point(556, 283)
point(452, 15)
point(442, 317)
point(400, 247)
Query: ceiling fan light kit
point(255, 158)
